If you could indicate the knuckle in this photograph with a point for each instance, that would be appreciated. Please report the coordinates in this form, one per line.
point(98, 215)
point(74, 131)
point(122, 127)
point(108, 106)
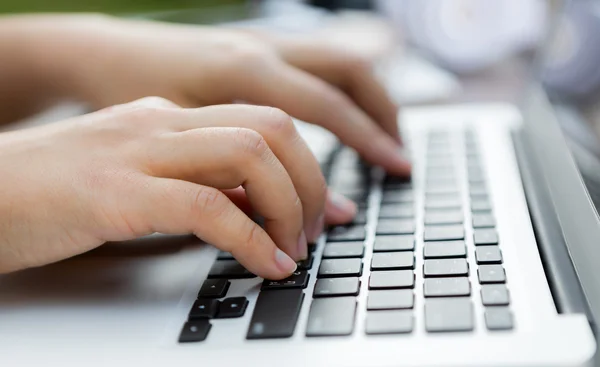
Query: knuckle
point(208, 199)
point(250, 142)
point(251, 237)
point(279, 123)
point(358, 64)
point(155, 101)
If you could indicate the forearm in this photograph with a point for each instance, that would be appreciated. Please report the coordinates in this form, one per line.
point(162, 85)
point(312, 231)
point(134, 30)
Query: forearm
point(42, 58)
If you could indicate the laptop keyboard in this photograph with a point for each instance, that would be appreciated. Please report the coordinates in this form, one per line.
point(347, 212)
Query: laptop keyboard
point(390, 273)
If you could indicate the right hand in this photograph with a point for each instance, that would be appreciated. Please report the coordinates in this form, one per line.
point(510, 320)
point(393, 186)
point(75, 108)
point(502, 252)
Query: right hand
point(133, 170)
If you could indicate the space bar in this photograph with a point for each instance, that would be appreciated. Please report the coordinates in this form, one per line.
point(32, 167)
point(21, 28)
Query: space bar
point(275, 314)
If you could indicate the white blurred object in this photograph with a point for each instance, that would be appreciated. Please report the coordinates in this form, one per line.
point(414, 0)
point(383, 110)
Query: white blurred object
point(468, 35)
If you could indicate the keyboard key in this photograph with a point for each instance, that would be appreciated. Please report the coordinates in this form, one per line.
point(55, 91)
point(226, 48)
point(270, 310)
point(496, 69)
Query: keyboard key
point(312, 247)
point(397, 196)
point(337, 287)
point(444, 233)
point(498, 318)
point(194, 331)
point(494, 295)
point(343, 249)
point(445, 267)
point(393, 260)
point(229, 269)
point(204, 308)
point(481, 206)
point(448, 314)
point(331, 316)
point(275, 314)
point(391, 279)
point(396, 211)
point(232, 307)
point(395, 226)
point(347, 233)
point(225, 256)
point(394, 243)
point(389, 322)
point(214, 288)
point(477, 190)
point(485, 237)
point(340, 268)
point(442, 189)
point(297, 280)
point(444, 249)
point(488, 255)
point(307, 263)
point(483, 221)
point(491, 274)
point(450, 202)
point(443, 217)
point(447, 287)
point(361, 216)
point(390, 299)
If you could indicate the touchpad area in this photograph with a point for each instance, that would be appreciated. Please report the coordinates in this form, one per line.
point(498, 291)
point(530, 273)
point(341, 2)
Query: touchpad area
point(122, 291)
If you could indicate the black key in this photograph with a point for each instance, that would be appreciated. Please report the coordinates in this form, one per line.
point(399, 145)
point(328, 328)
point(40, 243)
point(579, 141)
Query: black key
point(395, 226)
point(498, 318)
point(347, 233)
point(194, 331)
point(491, 274)
point(440, 189)
point(297, 280)
point(481, 206)
point(494, 295)
point(329, 287)
point(488, 255)
point(275, 314)
point(396, 211)
point(307, 263)
point(331, 316)
point(391, 279)
point(397, 196)
point(312, 247)
point(477, 190)
point(204, 308)
point(360, 217)
point(223, 255)
point(389, 322)
point(481, 220)
point(232, 307)
point(394, 243)
point(390, 299)
point(485, 237)
point(449, 314)
point(343, 249)
point(450, 202)
point(393, 260)
point(229, 269)
point(445, 267)
point(214, 288)
point(444, 233)
point(444, 249)
point(340, 268)
point(443, 217)
point(447, 287)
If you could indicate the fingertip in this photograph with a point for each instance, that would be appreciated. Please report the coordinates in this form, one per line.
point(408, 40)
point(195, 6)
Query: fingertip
point(339, 209)
point(285, 264)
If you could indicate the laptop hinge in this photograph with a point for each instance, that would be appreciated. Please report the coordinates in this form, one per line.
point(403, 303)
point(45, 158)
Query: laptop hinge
point(560, 272)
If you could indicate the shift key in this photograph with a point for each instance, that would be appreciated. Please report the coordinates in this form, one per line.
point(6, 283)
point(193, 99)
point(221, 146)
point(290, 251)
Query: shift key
point(275, 314)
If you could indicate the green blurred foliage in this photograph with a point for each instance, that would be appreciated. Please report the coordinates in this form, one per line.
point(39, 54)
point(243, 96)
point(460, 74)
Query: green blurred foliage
point(109, 6)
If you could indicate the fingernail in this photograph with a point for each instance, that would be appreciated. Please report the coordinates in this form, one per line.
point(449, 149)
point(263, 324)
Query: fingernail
point(302, 246)
point(342, 203)
point(284, 262)
point(315, 230)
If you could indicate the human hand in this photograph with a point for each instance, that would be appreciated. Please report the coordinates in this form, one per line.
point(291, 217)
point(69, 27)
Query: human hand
point(150, 166)
point(113, 61)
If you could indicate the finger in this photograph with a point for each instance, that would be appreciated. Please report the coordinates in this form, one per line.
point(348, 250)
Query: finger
point(152, 102)
point(350, 72)
point(239, 198)
point(311, 99)
point(178, 207)
point(339, 209)
point(280, 134)
point(226, 158)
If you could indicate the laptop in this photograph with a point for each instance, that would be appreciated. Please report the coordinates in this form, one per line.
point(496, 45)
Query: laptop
point(487, 256)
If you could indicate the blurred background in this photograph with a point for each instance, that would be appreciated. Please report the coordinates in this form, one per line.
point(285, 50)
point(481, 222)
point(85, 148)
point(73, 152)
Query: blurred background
point(427, 51)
